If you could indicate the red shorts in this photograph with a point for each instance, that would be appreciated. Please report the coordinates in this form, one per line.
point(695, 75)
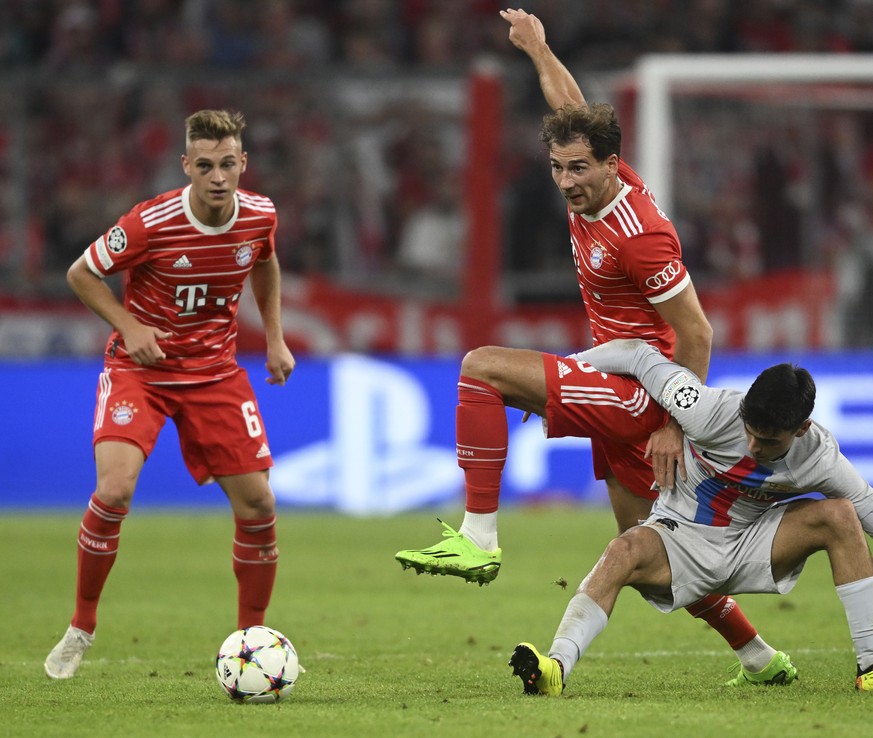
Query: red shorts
point(220, 428)
point(615, 412)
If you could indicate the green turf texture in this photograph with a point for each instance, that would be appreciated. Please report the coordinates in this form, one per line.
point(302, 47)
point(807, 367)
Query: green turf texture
point(389, 653)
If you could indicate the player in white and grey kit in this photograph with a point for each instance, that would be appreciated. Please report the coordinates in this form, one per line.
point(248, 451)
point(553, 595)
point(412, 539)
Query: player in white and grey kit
point(730, 526)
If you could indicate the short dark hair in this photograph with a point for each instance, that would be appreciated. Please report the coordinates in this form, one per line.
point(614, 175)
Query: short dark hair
point(780, 399)
point(214, 125)
point(596, 124)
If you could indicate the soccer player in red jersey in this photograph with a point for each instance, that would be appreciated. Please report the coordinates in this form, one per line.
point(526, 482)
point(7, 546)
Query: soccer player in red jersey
point(186, 255)
point(634, 285)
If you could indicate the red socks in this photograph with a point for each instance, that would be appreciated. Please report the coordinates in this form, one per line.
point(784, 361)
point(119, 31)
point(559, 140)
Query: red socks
point(482, 439)
point(254, 563)
point(724, 614)
point(98, 546)
point(255, 558)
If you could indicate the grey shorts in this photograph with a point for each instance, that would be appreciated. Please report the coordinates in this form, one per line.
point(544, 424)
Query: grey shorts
point(705, 559)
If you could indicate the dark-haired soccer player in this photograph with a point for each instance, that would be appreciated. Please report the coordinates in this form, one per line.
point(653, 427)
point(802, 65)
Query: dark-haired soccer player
point(730, 526)
point(186, 255)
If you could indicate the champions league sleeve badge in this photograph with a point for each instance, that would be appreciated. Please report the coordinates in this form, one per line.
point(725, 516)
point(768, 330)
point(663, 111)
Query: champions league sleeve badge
point(686, 396)
point(116, 240)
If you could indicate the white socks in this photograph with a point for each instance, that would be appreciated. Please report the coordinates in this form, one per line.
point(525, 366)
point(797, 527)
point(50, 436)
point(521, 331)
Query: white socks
point(857, 598)
point(582, 622)
point(756, 655)
point(481, 529)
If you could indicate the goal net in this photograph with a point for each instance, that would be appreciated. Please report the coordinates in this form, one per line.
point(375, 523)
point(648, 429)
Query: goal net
point(765, 165)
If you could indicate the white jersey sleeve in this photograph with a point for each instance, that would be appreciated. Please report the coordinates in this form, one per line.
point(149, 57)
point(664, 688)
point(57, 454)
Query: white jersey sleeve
point(706, 414)
point(721, 475)
point(816, 462)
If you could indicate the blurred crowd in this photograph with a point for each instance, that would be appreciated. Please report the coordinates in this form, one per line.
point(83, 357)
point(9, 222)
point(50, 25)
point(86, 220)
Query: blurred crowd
point(356, 111)
point(384, 34)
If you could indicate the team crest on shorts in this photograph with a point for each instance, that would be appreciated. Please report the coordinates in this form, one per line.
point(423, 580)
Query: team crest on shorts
point(116, 240)
point(595, 257)
point(686, 396)
point(123, 413)
point(244, 254)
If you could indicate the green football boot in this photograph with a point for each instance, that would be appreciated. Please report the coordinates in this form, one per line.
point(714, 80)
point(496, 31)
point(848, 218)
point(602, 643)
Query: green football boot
point(539, 674)
point(864, 682)
point(456, 556)
point(780, 670)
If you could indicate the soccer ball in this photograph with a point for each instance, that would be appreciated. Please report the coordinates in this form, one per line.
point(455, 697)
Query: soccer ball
point(257, 664)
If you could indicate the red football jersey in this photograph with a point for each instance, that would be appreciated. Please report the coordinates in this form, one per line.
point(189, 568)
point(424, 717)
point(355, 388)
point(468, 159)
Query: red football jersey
point(628, 259)
point(184, 278)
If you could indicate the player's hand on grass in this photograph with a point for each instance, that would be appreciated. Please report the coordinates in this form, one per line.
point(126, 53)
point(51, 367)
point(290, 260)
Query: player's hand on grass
point(666, 450)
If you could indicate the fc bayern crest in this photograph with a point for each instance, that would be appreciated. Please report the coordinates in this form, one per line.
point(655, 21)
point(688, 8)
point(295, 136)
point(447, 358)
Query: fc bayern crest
point(595, 258)
point(686, 396)
point(123, 413)
point(244, 254)
point(116, 240)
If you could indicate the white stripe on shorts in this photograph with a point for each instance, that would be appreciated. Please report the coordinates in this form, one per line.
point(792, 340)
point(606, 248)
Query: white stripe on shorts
point(105, 384)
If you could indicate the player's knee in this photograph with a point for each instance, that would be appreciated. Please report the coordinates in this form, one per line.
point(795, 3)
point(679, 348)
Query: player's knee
point(625, 555)
point(839, 515)
point(478, 363)
point(116, 492)
point(826, 522)
point(257, 506)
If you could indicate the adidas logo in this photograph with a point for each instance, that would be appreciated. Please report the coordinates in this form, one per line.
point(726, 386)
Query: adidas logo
point(563, 370)
point(263, 451)
point(182, 263)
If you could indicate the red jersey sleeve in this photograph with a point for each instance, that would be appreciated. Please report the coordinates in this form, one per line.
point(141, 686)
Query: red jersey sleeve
point(652, 259)
point(123, 246)
point(653, 262)
point(270, 247)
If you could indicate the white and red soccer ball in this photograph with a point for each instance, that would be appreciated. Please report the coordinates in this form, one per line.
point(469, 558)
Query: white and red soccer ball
point(257, 664)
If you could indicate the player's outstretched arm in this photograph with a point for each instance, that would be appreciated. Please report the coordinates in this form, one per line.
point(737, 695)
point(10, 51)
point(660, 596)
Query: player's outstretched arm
point(703, 413)
point(266, 284)
point(526, 32)
point(637, 358)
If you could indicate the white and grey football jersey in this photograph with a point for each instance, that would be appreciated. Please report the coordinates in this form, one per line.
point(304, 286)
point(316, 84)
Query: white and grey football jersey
point(725, 486)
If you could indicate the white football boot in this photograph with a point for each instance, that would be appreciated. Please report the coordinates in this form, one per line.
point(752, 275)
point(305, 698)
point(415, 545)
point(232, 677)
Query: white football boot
point(64, 659)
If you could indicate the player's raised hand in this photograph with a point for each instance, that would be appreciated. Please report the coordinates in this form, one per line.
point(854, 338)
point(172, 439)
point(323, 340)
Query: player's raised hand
point(526, 31)
point(280, 364)
point(141, 343)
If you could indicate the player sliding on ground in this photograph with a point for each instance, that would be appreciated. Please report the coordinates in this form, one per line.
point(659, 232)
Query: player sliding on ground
point(634, 284)
point(731, 526)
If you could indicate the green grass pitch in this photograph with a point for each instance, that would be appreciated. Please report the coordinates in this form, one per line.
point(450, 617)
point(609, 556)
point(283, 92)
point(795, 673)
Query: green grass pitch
point(389, 653)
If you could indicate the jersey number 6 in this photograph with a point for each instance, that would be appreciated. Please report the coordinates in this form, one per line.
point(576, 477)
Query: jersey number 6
point(250, 413)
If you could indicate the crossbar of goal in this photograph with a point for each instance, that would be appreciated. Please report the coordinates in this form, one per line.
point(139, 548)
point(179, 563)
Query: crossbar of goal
point(658, 74)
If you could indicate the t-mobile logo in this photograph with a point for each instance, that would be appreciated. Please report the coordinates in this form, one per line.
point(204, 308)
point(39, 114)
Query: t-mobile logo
point(190, 296)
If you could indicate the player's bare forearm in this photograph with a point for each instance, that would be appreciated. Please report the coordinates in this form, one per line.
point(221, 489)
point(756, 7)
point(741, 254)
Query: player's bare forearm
point(694, 347)
point(96, 295)
point(527, 34)
point(266, 281)
point(693, 331)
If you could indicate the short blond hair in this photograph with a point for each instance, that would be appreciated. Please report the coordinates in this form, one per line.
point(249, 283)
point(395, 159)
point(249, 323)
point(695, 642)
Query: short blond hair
point(214, 125)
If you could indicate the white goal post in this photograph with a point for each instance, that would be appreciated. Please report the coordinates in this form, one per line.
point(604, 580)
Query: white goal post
point(658, 75)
